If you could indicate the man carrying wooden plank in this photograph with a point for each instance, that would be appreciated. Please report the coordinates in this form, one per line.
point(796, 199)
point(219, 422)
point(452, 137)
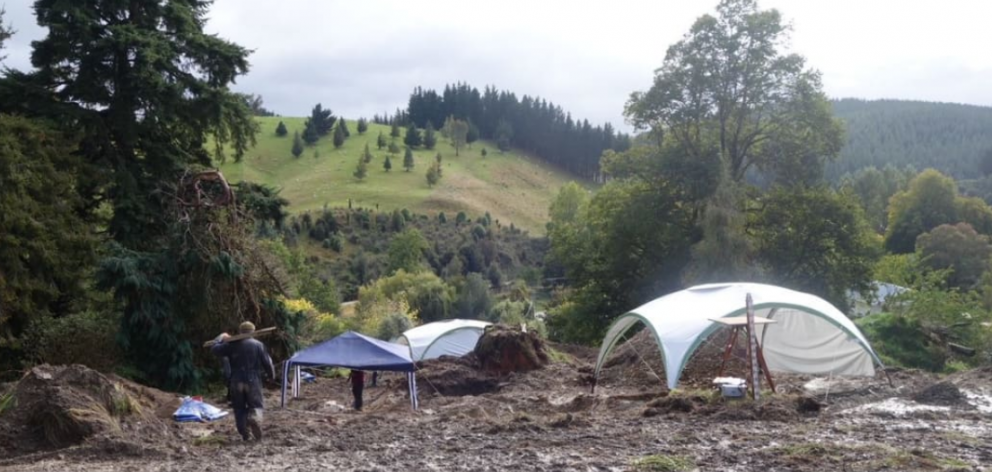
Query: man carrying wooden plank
point(249, 362)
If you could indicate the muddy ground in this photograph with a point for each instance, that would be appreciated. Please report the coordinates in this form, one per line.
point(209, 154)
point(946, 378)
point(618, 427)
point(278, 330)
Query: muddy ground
point(548, 420)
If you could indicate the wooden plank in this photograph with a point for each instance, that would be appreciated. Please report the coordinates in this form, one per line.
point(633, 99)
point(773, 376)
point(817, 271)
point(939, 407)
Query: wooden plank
point(238, 337)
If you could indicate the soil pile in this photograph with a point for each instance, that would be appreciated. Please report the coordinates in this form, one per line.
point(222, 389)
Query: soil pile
point(454, 376)
point(942, 394)
point(502, 350)
point(59, 406)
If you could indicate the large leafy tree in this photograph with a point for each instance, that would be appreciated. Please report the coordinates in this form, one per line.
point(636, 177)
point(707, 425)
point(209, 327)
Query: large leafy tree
point(958, 248)
point(928, 202)
point(815, 240)
point(729, 88)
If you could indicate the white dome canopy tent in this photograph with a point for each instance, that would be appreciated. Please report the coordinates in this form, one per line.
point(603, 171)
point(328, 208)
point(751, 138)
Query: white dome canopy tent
point(808, 336)
point(442, 338)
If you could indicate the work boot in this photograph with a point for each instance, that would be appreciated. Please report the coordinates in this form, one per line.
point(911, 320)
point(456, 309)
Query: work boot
point(254, 424)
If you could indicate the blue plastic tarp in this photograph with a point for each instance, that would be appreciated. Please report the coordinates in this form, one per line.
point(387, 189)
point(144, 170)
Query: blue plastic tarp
point(195, 410)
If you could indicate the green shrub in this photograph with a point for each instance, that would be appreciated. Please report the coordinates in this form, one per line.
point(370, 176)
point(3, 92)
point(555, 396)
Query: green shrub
point(87, 338)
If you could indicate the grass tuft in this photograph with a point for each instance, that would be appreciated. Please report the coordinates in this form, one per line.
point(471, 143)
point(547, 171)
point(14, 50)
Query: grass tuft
point(664, 463)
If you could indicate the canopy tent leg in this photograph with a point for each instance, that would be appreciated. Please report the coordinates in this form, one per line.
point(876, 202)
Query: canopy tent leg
point(296, 382)
point(411, 380)
point(285, 379)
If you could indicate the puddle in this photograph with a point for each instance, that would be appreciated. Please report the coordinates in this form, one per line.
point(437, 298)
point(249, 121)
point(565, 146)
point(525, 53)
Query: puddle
point(897, 407)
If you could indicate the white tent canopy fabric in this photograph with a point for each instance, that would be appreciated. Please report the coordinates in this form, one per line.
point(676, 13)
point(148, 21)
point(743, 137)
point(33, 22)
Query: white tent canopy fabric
point(809, 335)
point(443, 338)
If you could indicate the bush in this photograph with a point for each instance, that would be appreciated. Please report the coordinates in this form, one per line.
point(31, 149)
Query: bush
point(87, 338)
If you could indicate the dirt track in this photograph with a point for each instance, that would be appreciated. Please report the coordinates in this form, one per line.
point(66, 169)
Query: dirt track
point(548, 420)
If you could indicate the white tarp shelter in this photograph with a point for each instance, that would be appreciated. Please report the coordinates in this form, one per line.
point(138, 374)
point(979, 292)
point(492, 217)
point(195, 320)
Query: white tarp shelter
point(809, 335)
point(443, 338)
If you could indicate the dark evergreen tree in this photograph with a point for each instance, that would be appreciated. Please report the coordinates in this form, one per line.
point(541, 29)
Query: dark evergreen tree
point(339, 135)
point(363, 126)
point(504, 135)
point(297, 144)
point(394, 130)
point(318, 124)
point(362, 169)
point(429, 138)
point(367, 155)
point(387, 164)
point(380, 142)
point(484, 153)
point(344, 127)
point(145, 89)
point(281, 130)
point(310, 135)
point(393, 148)
point(408, 160)
point(437, 160)
point(433, 175)
point(473, 134)
point(412, 138)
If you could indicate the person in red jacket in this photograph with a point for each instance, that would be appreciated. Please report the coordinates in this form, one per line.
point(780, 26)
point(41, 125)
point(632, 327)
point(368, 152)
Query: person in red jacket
point(357, 378)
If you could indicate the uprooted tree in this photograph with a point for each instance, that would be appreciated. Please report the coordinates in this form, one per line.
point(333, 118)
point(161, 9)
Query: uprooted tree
point(207, 276)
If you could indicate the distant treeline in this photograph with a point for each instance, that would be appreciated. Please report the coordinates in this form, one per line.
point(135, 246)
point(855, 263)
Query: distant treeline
point(529, 123)
point(952, 138)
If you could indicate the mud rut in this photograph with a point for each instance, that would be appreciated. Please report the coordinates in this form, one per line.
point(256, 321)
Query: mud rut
point(547, 419)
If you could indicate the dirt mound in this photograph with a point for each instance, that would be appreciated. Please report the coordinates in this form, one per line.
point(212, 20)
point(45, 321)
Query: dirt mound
point(454, 376)
point(503, 350)
point(942, 394)
point(59, 406)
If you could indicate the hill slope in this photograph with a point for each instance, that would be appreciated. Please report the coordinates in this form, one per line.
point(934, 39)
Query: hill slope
point(513, 188)
point(949, 137)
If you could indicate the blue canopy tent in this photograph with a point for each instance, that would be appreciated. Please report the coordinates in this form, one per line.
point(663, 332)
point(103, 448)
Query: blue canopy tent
point(354, 351)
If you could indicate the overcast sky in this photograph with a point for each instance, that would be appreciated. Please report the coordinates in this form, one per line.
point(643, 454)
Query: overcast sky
point(363, 57)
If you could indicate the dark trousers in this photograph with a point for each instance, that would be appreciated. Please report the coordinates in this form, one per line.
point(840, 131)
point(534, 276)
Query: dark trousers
point(246, 400)
point(356, 390)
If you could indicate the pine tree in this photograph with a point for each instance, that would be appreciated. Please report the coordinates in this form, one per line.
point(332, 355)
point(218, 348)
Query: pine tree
point(437, 160)
point(393, 148)
point(429, 138)
point(339, 135)
point(367, 155)
point(394, 131)
point(362, 169)
point(380, 142)
point(473, 134)
point(412, 138)
point(281, 129)
point(310, 135)
point(297, 144)
point(387, 164)
point(484, 153)
point(363, 125)
point(408, 160)
point(432, 175)
point(504, 134)
point(344, 126)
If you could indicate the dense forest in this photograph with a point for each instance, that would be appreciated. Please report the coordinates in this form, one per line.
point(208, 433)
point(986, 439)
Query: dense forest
point(529, 123)
point(952, 138)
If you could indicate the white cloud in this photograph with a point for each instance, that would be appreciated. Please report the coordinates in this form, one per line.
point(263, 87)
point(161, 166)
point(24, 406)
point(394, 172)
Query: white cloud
point(361, 58)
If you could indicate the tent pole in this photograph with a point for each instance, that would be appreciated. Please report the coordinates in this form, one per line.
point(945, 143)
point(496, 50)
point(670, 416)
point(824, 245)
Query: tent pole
point(285, 377)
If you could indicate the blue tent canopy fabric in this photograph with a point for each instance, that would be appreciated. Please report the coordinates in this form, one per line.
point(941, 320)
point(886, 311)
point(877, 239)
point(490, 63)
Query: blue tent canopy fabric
point(354, 351)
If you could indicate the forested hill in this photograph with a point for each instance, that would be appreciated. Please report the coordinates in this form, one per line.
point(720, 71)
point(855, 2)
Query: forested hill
point(951, 138)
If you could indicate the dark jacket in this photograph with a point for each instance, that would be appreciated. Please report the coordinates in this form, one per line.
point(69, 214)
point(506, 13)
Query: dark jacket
point(247, 357)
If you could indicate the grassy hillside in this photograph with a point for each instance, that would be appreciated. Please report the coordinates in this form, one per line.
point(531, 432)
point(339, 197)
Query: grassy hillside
point(513, 188)
point(951, 138)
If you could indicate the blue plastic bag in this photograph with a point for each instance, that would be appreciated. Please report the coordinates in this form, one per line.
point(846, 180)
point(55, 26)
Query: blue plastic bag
point(195, 410)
